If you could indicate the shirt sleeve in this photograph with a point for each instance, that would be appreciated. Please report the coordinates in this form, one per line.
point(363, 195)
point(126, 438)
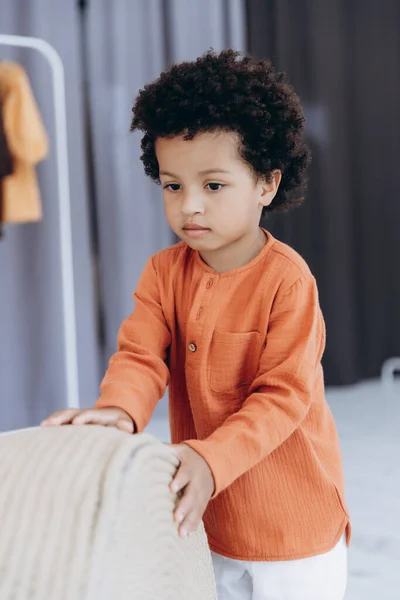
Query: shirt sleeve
point(138, 375)
point(280, 396)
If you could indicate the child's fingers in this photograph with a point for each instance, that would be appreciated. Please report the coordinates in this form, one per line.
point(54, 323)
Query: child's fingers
point(94, 417)
point(181, 479)
point(125, 425)
point(190, 510)
point(62, 417)
point(190, 523)
point(186, 507)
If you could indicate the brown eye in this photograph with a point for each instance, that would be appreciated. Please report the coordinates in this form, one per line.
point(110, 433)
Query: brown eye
point(215, 187)
point(172, 187)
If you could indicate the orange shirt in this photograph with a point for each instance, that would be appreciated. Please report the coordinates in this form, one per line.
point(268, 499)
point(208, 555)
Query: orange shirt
point(241, 352)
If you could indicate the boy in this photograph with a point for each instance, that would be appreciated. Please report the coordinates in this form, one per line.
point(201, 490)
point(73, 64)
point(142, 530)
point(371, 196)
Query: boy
point(230, 319)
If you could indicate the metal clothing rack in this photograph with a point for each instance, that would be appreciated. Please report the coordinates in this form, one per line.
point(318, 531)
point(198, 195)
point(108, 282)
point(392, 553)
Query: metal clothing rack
point(64, 202)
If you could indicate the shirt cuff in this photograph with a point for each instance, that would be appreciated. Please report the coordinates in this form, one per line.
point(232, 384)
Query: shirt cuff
point(127, 404)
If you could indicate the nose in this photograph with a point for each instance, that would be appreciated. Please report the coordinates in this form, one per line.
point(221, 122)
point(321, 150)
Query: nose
point(192, 204)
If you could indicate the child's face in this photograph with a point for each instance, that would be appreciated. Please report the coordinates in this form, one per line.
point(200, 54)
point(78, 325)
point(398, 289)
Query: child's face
point(207, 184)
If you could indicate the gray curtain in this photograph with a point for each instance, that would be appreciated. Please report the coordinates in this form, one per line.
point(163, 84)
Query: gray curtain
point(130, 43)
point(111, 49)
point(32, 381)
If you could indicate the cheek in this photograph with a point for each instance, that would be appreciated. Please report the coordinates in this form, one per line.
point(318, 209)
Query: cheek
point(239, 205)
point(172, 210)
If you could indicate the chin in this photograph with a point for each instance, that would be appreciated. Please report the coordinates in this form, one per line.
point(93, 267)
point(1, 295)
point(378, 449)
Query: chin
point(197, 244)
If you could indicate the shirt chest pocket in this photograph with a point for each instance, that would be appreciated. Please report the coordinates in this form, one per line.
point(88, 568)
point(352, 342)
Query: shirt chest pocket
point(234, 360)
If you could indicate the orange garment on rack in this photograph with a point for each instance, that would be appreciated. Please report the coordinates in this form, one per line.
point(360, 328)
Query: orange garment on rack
point(6, 165)
point(27, 142)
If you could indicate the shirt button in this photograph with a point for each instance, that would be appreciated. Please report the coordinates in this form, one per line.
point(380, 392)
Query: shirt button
point(209, 283)
point(192, 347)
point(199, 314)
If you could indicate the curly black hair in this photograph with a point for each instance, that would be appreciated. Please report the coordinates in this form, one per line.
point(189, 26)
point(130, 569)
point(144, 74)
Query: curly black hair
point(235, 92)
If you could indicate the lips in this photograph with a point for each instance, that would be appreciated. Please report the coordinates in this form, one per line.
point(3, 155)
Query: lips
point(194, 231)
point(193, 227)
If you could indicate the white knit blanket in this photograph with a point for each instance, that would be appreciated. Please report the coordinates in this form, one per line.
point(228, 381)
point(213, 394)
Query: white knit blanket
point(86, 514)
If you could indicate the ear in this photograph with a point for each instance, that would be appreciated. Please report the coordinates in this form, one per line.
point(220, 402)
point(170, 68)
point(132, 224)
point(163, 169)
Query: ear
point(269, 188)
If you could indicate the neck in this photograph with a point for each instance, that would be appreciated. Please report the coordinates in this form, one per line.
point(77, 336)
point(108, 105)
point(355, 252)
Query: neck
point(237, 254)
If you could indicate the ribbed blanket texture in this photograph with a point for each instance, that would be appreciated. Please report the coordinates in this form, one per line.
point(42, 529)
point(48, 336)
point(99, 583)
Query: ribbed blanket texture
point(86, 514)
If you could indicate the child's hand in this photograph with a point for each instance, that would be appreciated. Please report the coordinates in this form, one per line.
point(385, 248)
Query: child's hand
point(194, 476)
point(112, 417)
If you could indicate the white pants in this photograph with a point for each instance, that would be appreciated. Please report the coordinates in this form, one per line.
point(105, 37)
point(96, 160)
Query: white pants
point(322, 577)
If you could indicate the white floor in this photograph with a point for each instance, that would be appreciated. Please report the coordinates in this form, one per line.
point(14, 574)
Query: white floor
point(368, 420)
